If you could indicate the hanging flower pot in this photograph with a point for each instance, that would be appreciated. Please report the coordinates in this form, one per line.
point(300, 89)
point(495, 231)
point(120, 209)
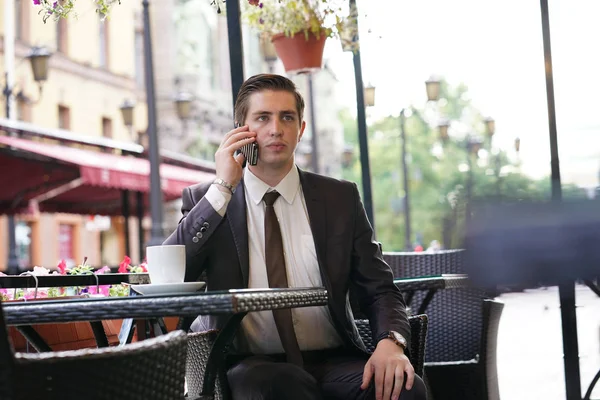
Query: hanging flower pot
point(300, 53)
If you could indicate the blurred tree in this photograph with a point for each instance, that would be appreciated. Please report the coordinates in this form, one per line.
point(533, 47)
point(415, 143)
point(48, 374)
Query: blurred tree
point(438, 171)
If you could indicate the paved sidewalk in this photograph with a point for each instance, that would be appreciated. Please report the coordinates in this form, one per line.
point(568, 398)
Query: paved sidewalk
point(530, 358)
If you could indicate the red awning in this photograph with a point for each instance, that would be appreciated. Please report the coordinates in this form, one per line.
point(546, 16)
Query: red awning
point(69, 179)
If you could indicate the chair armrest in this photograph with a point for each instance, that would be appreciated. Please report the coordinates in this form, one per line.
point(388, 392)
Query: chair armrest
point(492, 311)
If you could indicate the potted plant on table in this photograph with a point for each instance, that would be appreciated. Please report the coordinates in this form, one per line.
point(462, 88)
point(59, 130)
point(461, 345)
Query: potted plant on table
point(299, 28)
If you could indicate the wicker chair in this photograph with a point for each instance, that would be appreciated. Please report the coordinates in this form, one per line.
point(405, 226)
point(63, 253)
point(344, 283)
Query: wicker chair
point(153, 369)
point(200, 344)
point(463, 327)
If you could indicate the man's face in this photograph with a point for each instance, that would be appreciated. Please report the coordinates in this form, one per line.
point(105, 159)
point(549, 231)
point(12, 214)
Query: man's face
point(273, 116)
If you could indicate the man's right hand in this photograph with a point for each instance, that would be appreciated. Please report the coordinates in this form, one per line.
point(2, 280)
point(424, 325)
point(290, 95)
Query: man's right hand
point(228, 166)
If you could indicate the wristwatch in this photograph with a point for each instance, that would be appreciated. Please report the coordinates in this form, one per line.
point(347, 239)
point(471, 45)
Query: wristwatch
point(397, 338)
point(227, 185)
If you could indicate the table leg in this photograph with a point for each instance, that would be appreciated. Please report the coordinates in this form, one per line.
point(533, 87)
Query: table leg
point(566, 292)
point(216, 358)
point(99, 333)
point(34, 338)
point(426, 301)
point(594, 287)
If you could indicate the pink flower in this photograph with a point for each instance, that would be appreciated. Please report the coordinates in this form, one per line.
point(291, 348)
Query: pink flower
point(62, 267)
point(103, 270)
point(103, 290)
point(253, 2)
point(37, 2)
point(143, 267)
point(124, 266)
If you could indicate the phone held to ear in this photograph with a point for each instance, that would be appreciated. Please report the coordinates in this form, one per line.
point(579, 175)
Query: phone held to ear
point(250, 151)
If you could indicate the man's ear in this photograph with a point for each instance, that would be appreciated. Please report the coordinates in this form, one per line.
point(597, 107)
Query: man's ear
point(302, 127)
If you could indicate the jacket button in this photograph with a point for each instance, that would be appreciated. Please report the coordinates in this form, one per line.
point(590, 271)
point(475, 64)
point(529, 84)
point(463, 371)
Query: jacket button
point(206, 225)
point(195, 239)
point(199, 235)
point(203, 229)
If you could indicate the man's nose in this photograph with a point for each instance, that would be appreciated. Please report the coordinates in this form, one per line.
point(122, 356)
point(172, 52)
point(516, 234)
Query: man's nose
point(276, 128)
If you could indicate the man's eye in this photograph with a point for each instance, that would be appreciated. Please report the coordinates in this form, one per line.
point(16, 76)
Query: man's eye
point(288, 118)
point(262, 118)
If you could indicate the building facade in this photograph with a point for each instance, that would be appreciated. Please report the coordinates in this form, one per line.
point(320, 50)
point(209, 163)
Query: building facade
point(95, 65)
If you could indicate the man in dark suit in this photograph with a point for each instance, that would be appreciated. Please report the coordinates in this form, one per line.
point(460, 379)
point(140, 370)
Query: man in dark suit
point(273, 225)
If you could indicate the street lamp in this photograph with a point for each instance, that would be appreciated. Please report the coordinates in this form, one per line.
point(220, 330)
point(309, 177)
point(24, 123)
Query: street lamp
point(432, 86)
point(490, 126)
point(443, 127)
point(38, 58)
point(127, 112)
point(370, 96)
point(183, 105)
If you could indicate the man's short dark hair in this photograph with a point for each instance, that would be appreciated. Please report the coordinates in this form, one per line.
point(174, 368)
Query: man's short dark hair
point(258, 83)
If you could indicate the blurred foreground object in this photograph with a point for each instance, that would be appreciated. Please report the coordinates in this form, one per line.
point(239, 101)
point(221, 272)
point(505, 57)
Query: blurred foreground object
point(533, 243)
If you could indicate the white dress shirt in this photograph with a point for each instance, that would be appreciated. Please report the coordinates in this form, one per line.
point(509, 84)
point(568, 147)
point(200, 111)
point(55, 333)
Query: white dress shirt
point(313, 325)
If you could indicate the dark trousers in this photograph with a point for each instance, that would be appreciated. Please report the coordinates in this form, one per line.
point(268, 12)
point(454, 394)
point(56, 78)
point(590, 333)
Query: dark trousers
point(327, 375)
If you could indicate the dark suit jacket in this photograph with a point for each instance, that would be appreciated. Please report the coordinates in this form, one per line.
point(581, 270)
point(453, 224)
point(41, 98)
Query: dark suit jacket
point(343, 237)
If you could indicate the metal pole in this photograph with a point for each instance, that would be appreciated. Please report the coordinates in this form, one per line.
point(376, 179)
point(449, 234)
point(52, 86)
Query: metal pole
point(362, 133)
point(407, 233)
point(139, 199)
point(156, 198)
point(12, 264)
point(125, 212)
point(313, 126)
point(236, 49)
point(566, 291)
point(469, 188)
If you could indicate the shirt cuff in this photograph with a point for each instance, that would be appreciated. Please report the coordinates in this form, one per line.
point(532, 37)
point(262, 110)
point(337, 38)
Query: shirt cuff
point(217, 199)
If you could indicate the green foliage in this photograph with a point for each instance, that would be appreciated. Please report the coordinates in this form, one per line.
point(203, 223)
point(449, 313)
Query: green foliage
point(291, 17)
point(437, 187)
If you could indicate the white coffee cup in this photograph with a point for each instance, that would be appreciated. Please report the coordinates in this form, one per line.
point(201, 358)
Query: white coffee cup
point(166, 264)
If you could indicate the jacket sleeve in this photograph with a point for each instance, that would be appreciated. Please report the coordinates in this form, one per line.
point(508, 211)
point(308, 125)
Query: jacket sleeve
point(373, 280)
point(195, 228)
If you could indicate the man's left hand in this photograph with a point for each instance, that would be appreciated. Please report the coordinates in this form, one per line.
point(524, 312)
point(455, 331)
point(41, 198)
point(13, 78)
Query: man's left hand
point(388, 364)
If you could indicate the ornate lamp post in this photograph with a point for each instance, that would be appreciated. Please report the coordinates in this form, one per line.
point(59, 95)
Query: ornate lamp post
point(38, 58)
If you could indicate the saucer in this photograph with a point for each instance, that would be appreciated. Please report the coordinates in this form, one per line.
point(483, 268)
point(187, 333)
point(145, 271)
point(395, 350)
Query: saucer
point(168, 288)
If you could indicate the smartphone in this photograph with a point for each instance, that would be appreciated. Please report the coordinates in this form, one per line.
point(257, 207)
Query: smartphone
point(250, 151)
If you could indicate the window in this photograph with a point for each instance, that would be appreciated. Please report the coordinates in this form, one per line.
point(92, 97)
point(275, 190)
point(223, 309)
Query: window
point(139, 58)
point(65, 243)
point(104, 43)
point(62, 44)
point(23, 240)
point(64, 118)
point(107, 127)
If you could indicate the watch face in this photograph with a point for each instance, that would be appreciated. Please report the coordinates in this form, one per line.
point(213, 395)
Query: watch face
point(398, 338)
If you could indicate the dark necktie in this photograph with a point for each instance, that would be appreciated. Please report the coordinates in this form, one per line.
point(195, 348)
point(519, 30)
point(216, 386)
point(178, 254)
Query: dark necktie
point(277, 276)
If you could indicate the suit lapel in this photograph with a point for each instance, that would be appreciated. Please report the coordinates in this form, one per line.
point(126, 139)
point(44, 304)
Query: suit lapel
point(236, 214)
point(317, 214)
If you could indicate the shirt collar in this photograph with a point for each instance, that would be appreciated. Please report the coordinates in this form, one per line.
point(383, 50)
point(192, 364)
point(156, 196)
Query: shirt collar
point(287, 187)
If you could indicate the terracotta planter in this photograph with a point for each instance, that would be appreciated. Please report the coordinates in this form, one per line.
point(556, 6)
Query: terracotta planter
point(76, 335)
point(72, 336)
point(299, 54)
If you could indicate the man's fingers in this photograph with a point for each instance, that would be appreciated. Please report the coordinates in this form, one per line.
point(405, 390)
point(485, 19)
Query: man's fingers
point(379, 381)
point(398, 380)
point(388, 382)
point(236, 138)
point(367, 375)
point(240, 158)
point(234, 131)
point(410, 376)
point(239, 144)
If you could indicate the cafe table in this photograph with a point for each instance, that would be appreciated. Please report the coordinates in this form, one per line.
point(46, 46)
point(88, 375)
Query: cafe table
point(432, 284)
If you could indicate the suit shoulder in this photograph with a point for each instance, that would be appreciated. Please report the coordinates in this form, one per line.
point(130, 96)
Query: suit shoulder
point(329, 181)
